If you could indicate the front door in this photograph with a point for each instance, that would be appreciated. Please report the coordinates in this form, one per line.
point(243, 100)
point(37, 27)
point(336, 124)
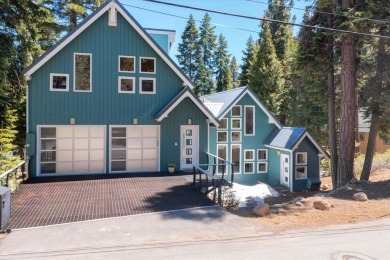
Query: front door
point(284, 170)
point(189, 146)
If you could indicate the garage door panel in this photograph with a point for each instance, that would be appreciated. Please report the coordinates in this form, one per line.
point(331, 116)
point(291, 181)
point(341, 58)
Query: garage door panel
point(96, 132)
point(149, 132)
point(96, 143)
point(95, 155)
point(149, 143)
point(65, 144)
point(81, 167)
point(96, 167)
point(81, 143)
point(134, 165)
point(65, 167)
point(81, 131)
point(149, 165)
point(81, 155)
point(149, 154)
point(134, 143)
point(134, 154)
point(134, 132)
point(65, 156)
point(65, 132)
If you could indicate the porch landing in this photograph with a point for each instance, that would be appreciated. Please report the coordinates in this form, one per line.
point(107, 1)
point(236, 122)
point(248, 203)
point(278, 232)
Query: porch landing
point(55, 200)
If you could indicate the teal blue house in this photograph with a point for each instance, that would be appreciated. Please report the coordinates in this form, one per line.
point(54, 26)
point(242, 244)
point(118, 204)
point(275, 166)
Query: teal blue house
point(107, 99)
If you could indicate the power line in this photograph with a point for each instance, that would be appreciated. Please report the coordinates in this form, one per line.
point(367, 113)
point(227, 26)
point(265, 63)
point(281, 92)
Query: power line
point(321, 12)
point(269, 20)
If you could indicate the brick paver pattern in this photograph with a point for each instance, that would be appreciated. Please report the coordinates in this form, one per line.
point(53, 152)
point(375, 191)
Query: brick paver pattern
point(55, 200)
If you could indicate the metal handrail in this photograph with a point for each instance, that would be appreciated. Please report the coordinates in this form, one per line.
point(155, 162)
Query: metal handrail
point(225, 162)
point(15, 168)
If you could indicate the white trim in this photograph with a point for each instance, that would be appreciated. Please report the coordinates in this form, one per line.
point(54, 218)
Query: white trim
point(266, 155)
point(27, 109)
point(147, 92)
point(227, 124)
point(281, 171)
point(231, 114)
point(301, 166)
point(208, 135)
point(74, 72)
point(227, 136)
point(235, 119)
point(266, 166)
point(120, 85)
point(291, 181)
point(112, 17)
point(149, 58)
point(254, 120)
point(231, 136)
point(277, 148)
point(253, 167)
point(240, 160)
point(119, 64)
point(59, 75)
point(253, 154)
point(177, 102)
point(304, 156)
point(320, 149)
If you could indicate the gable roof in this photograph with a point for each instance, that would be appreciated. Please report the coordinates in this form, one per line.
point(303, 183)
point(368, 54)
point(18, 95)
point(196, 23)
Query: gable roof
point(92, 18)
point(289, 138)
point(229, 98)
point(186, 93)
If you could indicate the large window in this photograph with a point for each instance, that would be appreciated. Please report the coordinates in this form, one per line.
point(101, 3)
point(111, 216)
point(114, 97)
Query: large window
point(301, 168)
point(126, 85)
point(249, 157)
point(48, 150)
point(222, 153)
point(236, 157)
point(82, 72)
point(147, 86)
point(126, 64)
point(59, 82)
point(249, 120)
point(262, 160)
point(147, 65)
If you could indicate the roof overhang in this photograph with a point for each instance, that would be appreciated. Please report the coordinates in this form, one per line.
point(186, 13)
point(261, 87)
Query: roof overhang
point(322, 153)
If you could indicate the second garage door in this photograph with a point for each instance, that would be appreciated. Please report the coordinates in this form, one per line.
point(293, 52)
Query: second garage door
point(134, 148)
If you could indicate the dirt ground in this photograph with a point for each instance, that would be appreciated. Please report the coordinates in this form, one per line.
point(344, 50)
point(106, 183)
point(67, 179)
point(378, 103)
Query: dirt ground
point(287, 216)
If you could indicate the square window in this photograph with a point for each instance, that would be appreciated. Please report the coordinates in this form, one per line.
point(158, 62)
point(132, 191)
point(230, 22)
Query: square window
point(82, 72)
point(189, 132)
point(249, 167)
point(262, 154)
point(189, 151)
point(48, 132)
point(236, 123)
point(147, 86)
point(126, 85)
point(59, 82)
point(236, 136)
point(249, 155)
point(236, 111)
point(147, 65)
point(262, 167)
point(224, 124)
point(222, 136)
point(301, 159)
point(188, 160)
point(118, 132)
point(126, 64)
point(188, 141)
point(300, 172)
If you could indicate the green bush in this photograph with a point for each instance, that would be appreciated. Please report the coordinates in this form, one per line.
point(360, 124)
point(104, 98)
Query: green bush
point(381, 161)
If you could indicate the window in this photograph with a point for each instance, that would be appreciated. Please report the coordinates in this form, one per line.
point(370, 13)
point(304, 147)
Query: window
point(222, 136)
point(262, 154)
point(118, 148)
point(262, 167)
point(147, 65)
point(361, 137)
point(224, 124)
point(236, 136)
point(82, 72)
point(222, 153)
point(48, 150)
point(301, 172)
point(249, 155)
point(249, 167)
point(249, 120)
point(147, 86)
point(126, 85)
point(59, 82)
point(236, 157)
point(236, 111)
point(126, 64)
point(236, 123)
point(262, 163)
point(301, 159)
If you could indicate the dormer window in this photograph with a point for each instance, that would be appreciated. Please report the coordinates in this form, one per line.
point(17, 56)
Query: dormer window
point(127, 64)
point(147, 65)
point(59, 82)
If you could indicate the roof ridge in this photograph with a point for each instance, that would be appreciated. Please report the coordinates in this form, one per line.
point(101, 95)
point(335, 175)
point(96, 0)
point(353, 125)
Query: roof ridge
point(223, 92)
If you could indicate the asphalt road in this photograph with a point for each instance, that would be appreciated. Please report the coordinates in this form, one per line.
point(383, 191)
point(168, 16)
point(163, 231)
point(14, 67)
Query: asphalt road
point(206, 233)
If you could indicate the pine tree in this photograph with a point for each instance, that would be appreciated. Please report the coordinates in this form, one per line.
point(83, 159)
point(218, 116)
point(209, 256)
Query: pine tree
point(248, 60)
point(234, 72)
point(203, 81)
point(222, 60)
point(189, 49)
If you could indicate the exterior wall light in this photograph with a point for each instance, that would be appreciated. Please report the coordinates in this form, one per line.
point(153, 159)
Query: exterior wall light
point(135, 121)
point(189, 121)
point(72, 121)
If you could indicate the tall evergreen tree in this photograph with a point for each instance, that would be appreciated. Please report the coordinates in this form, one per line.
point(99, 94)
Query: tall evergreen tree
point(189, 49)
point(222, 60)
point(235, 73)
point(249, 56)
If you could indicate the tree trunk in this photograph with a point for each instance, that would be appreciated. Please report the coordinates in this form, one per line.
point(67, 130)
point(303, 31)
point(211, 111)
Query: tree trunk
point(348, 106)
point(375, 116)
point(332, 139)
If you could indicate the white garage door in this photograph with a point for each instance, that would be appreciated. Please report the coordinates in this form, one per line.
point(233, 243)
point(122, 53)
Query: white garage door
point(72, 149)
point(134, 148)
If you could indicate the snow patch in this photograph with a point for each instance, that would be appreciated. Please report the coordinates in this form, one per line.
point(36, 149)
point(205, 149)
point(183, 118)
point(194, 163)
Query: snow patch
point(249, 195)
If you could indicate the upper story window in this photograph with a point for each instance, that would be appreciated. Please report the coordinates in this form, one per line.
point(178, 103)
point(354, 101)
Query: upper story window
point(147, 86)
point(59, 82)
point(126, 84)
point(224, 124)
point(82, 72)
point(147, 65)
point(301, 159)
point(249, 120)
point(236, 111)
point(126, 64)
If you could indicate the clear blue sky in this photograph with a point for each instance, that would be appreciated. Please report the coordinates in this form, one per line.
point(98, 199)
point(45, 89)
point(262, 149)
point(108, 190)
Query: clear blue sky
point(224, 24)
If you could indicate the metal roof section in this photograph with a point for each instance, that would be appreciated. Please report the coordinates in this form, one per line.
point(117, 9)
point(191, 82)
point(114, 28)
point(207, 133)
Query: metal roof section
point(215, 108)
point(92, 18)
point(184, 93)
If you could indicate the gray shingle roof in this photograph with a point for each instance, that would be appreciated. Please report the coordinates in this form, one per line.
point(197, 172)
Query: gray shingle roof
point(285, 138)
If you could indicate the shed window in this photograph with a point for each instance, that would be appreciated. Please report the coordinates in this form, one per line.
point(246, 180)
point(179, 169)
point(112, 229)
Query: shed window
point(301, 172)
point(82, 72)
point(126, 64)
point(236, 111)
point(126, 85)
point(301, 159)
point(59, 82)
point(249, 120)
point(148, 65)
point(147, 86)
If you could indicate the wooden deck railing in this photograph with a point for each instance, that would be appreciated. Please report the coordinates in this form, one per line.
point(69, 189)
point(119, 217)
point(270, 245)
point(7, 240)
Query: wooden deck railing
point(6, 174)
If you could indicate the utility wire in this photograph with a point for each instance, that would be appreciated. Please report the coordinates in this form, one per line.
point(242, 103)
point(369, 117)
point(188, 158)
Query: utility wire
point(269, 20)
point(320, 12)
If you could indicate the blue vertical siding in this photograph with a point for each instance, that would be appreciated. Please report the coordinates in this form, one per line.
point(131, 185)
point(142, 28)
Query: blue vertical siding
point(162, 40)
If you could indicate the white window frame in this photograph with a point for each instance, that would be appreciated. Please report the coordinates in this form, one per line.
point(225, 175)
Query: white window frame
point(119, 85)
point(240, 160)
point(119, 63)
point(253, 167)
point(254, 121)
point(231, 111)
point(74, 72)
point(146, 92)
point(227, 124)
point(266, 166)
point(304, 155)
point(253, 155)
point(59, 75)
point(227, 136)
point(231, 123)
point(301, 166)
point(266, 155)
point(231, 136)
point(140, 65)
point(227, 156)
